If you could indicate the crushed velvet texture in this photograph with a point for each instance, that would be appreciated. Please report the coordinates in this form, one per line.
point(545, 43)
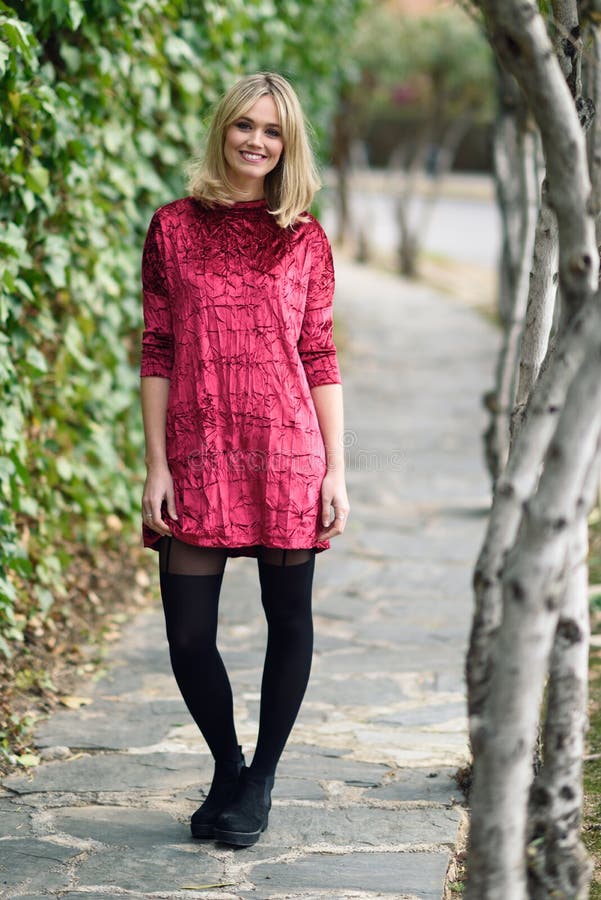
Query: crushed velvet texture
point(238, 315)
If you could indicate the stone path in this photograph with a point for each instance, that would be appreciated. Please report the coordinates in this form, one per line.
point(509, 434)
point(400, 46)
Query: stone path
point(365, 804)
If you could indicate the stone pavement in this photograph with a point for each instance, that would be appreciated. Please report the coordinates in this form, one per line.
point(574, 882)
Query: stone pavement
point(365, 804)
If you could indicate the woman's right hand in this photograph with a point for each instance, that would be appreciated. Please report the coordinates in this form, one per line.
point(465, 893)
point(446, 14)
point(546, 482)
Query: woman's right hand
point(157, 488)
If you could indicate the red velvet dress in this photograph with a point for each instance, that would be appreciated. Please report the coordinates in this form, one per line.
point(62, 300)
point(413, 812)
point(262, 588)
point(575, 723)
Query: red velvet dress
point(238, 316)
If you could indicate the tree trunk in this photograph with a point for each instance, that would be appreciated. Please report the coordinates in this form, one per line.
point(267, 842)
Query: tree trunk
point(534, 575)
point(507, 676)
point(539, 310)
point(515, 486)
point(408, 249)
point(516, 180)
point(412, 233)
point(519, 36)
point(496, 437)
point(592, 79)
point(558, 864)
point(513, 142)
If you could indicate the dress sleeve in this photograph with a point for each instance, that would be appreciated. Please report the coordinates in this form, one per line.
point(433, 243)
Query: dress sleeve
point(157, 336)
point(316, 344)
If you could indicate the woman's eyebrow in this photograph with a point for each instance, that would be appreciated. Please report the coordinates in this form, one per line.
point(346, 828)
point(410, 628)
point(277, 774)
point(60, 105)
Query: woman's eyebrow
point(252, 121)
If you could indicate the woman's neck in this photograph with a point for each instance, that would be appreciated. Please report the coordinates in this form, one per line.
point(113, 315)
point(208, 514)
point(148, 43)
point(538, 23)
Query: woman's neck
point(252, 190)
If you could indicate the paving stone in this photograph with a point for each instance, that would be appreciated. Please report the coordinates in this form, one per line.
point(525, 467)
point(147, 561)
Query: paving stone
point(85, 894)
point(327, 769)
point(164, 868)
point(426, 715)
point(121, 825)
point(368, 659)
point(243, 659)
point(350, 607)
point(433, 785)
point(32, 861)
point(293, 747)
point(78, 895)
point(395, 874)
point(298, 789)
point(360, 826)
point(14, 818)
point(113, 772)
point(115, 725)
point(354, 691)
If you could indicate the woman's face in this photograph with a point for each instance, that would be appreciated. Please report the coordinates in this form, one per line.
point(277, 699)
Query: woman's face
point(253, 146)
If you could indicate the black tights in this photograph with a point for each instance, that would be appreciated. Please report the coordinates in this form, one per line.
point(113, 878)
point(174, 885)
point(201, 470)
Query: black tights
point(191, 580)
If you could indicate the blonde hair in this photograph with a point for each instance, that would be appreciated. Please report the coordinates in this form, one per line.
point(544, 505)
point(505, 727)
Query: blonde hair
point(291, 186)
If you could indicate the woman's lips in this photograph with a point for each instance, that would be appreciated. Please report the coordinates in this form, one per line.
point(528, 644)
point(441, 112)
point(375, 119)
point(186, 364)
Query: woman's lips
point(252, 157)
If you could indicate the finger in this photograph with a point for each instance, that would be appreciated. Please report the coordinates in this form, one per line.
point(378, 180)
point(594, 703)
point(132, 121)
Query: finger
point(330, 532)
point(155, 522)
point(337, 526)
point(340, 518)
point(171, 505)
point(325, 512)
point(161, 528)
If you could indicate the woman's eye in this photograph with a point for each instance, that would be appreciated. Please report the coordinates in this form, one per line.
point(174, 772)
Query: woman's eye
point(273, 132)
point(243, 125)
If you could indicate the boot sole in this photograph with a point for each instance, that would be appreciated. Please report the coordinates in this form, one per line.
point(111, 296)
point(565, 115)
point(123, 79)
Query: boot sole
point(202, 831)
point(239, 838)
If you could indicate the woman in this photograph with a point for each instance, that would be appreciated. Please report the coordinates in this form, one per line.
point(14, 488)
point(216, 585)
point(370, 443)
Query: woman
point(243, 419)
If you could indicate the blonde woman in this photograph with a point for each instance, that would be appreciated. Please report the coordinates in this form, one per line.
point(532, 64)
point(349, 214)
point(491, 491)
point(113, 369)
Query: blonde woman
point(243, 418)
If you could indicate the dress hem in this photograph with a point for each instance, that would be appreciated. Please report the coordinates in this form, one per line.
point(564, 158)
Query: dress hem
point(153, 542)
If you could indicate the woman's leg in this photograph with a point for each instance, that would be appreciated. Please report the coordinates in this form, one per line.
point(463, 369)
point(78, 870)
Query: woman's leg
point(286, 579)
point(191, 580)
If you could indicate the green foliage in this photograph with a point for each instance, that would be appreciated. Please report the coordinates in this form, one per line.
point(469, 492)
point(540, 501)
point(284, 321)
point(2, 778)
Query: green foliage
point(437, 66)
point(102, 102)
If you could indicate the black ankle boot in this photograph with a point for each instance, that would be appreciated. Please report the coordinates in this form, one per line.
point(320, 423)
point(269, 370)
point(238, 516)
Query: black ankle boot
point(222, 791)
point(245, 818)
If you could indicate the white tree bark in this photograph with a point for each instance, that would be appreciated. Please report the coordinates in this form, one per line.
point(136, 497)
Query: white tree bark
point(519, 36)
point(558, 863)
point(511, 127)
point(539, 310)
point(516, 484)
point(516, 180)
point(533, 573)
point(518, 33)
point(592, 78)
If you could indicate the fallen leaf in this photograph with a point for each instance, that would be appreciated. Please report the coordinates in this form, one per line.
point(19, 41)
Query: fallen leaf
point(75, 702)
point(28, 760)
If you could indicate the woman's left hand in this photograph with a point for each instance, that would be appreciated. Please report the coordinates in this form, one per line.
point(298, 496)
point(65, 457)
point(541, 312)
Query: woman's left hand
point(333, 493)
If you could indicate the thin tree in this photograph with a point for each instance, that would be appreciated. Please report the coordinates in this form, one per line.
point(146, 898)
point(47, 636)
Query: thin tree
point(528, 589)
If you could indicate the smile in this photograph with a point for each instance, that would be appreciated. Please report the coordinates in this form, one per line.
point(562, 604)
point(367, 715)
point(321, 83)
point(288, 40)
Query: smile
point(252, 157)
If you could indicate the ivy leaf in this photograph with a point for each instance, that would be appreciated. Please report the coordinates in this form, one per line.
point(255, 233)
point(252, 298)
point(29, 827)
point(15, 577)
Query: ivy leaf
point(75, 14)
point(4, 57)
point(37, 178)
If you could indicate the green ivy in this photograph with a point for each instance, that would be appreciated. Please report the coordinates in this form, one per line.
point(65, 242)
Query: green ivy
point(102, 102)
